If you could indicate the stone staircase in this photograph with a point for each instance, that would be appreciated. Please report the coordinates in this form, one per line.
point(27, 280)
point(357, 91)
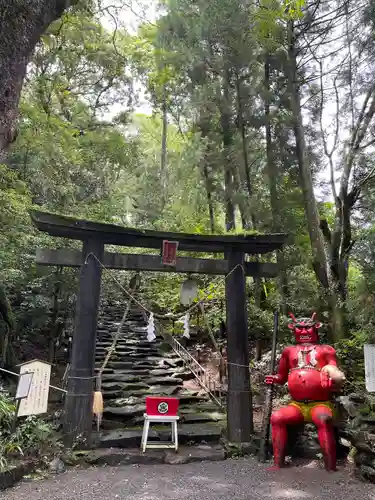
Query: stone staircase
point(139, 368)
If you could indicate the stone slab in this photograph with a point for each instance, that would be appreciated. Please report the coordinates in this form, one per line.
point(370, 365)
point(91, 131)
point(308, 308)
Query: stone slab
point(187, 433)
point(163, 381)
point(128, 411)
point(133, 456)
point(124, 438)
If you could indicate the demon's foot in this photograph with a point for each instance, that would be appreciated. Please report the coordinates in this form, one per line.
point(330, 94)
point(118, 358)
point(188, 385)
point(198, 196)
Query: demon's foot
point(329, 466)
point(332, 468)
point(277, 467)
point(273, 468)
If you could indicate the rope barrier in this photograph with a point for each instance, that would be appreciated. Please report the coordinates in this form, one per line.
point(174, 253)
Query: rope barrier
point(112, 348)
point(169, 316)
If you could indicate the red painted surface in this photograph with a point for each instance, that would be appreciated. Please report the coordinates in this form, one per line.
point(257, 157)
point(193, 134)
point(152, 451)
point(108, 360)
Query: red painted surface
point(300, 366)
point(162, 406)
point(169, 254)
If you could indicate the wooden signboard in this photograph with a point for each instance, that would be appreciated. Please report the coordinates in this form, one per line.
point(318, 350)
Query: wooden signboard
point(369, 351)
point(37, 399)
point(169, 254)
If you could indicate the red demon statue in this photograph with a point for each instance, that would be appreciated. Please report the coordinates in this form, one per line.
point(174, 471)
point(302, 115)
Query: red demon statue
point(312, 375)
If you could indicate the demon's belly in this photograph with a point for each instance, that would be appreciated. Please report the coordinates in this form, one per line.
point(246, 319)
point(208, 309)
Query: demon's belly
point(305, 384)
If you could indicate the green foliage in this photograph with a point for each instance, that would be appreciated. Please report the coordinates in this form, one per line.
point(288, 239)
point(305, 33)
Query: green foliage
point(84, 148)
point(350, 354)
point(30, 437)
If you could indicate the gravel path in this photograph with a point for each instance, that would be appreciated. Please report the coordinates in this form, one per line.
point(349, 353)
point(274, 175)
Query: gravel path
point(231, 479)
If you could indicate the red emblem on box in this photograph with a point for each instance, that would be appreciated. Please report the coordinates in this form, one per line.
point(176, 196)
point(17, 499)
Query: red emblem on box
point(169, 253)
point(162, 406)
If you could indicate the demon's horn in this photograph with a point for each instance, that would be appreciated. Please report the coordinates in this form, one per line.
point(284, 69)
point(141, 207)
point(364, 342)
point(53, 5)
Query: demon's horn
point(293, 317)
point(313, 316)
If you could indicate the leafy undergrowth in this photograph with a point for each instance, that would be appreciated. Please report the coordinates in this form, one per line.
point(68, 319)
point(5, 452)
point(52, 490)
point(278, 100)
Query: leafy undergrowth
point(31, 439)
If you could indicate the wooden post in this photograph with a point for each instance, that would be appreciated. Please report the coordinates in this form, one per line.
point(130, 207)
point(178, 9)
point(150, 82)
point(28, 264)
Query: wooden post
point(79, 399)
point(239, 411)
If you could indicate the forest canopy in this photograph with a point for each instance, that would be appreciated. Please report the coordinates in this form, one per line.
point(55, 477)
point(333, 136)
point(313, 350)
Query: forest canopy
point(260, 118)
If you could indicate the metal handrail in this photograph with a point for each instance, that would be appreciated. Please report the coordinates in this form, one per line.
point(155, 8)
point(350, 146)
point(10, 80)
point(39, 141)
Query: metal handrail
point(205, 380)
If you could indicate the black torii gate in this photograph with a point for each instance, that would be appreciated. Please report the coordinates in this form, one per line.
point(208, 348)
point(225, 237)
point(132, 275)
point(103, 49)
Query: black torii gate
point(78, 415)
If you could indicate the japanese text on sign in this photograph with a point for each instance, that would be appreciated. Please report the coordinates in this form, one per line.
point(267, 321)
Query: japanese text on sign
point(37, 400)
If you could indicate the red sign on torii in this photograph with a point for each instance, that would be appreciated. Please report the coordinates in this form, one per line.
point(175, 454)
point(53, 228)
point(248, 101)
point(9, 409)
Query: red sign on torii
point(169, 253)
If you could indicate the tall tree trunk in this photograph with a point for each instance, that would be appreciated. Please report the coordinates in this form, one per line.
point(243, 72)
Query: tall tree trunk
point(273, 180)
point(245, 156)
point(227, 134)
point(54, 324)
point(209, 196)
point(203, 126)
point(6, 315)
point(320, 262)
point(244, 212)
point(163, 156)
point(22, 24)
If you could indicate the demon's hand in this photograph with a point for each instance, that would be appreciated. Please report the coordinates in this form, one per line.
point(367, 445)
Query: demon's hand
point(331, 376)
point(271, 379)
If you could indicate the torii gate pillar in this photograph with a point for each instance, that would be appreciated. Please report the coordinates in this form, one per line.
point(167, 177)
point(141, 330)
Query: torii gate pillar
point(239, 404)
point(79, 399)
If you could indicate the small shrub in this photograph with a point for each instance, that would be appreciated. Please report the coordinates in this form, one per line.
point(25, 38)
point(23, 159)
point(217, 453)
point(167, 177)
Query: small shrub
point(350, 355)
point(31, 436)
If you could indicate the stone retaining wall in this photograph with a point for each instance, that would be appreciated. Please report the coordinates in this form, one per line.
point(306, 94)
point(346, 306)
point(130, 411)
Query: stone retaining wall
point(14, 475)
point(360, 431)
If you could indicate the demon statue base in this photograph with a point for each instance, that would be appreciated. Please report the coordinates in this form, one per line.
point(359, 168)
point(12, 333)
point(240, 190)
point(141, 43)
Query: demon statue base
point(312, 375)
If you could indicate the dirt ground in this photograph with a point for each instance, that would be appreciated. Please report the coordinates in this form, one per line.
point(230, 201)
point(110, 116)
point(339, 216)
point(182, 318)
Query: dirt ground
point(244, 479)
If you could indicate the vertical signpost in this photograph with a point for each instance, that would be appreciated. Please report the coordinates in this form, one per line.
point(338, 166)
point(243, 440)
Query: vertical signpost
point(169, 253)
point(369, 351)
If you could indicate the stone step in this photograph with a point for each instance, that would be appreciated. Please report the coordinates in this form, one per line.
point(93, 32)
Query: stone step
point(201, 407)
point(135, 371)
point(106, 370)
point(202, 417)
point(167, 360)
point(130, 354)
point(120, 397)
point(119, 365)
point(122, 339)
point(124, 386)
point(109, 379)
point(126, 413)
point(127, 358)
point(129, 326)
point(139, 368)
point(131, 365)
point(163, 381)
point(128, 341)
point(187, 433)
point(125, 341)
point(114, 377)
point(134, 456)
point(126, 331)
point(125, 350)
point(123, 346)
point(149, 372)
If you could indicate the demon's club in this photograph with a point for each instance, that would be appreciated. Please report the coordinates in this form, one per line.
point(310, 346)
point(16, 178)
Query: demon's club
point(313, 377)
